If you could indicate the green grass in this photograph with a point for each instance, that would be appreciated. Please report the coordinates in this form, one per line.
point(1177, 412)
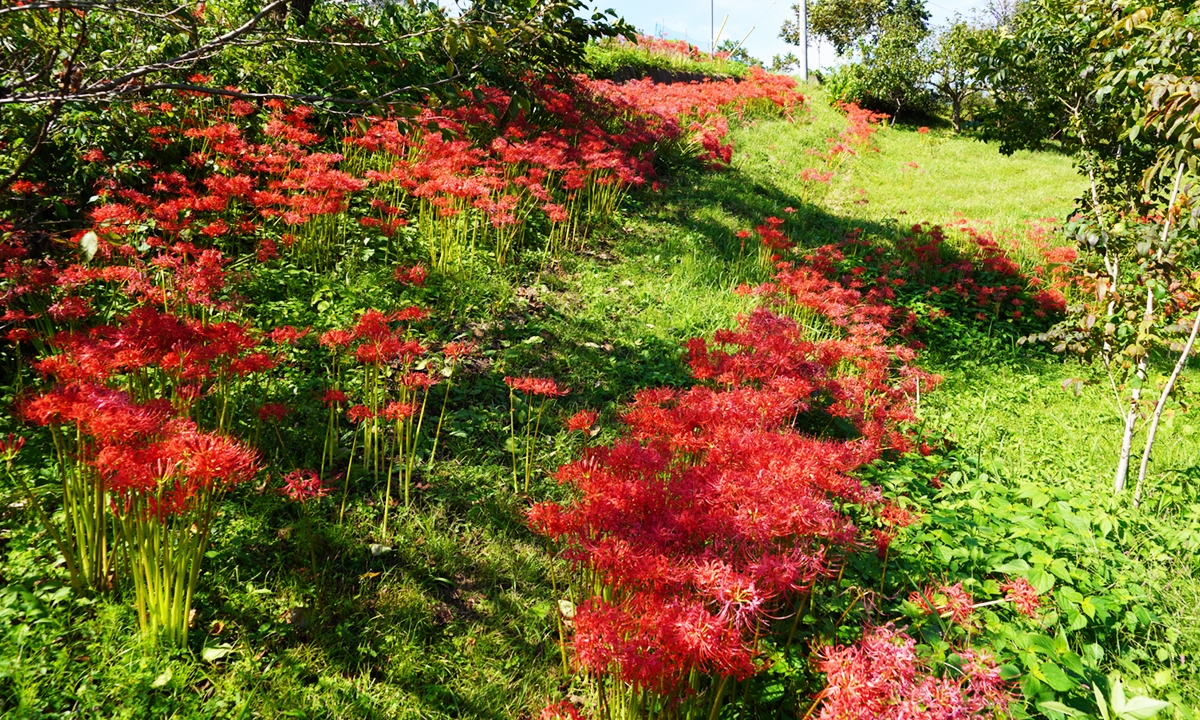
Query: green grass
point(957, 177)
point(609, 57)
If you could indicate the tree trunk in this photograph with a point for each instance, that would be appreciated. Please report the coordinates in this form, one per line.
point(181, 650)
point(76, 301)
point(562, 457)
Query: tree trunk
point(1131, 418)
point(1158, 409)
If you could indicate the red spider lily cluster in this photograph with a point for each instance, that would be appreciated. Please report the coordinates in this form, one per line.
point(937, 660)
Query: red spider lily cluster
point(140, 476)
point(141, 449)
point(970, 270)
point(192, 356)
point(464, 192)
point(720, 506)
point(883, 677)
point(667, 48)
point(536, 386)
point(253, 180)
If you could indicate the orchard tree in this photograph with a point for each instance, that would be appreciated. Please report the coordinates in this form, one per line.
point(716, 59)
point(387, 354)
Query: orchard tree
point(1114, 83)
point(1147, 80)
point(896, 67)
point(953, 50)
point(892, 74)
point(846, 22)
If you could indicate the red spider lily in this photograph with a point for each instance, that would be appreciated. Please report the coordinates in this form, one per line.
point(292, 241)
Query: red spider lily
point(336, 338)
point(896, 516)
point(949, 600)
point(582, 421)
point(455, 351)
point(398, 411)
point(334, 397)
point(1022, 595)
point(882, 677)
point(560, 711)
point(26, 187)
point(359, 413)
point(213, 460)
point(288, 334)
point(273, 412)
point(304, 485)
point(414, 275)
point(10, 446)
point(536, 386)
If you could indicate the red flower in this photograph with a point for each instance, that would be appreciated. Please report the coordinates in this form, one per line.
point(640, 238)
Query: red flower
point(560, 711)
point(358, 413)
point(288, 334)
point(273, 412)
point(414, 275)
point(303, 485)
point(11, 446)
point(335, 338)
point(1024, 596)
point(398, 411)
point(582, 420)
point(455, 351)
point(950, 599)
point(536, 386)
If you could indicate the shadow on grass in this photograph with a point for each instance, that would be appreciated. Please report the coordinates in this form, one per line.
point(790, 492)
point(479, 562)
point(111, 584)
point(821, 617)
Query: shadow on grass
point(978, 335)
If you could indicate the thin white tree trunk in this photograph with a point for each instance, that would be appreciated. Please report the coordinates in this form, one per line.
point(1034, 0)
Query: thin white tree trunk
point(1158, 409)
point(1130, 422)
point(1162, 398)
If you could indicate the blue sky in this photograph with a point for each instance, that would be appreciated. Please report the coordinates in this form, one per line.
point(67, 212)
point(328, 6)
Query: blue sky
point(766, 17)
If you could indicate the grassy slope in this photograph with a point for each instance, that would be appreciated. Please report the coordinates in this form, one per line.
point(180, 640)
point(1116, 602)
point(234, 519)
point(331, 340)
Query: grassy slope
point(456, 619)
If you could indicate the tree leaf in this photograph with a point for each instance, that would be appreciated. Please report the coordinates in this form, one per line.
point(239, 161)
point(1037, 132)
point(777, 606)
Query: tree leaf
point(90, 244)
point(1056, 678)
point(1143, 708)
point(1060, 708)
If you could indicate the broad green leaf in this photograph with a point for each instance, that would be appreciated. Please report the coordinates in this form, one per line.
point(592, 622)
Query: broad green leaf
point(1009, 673)
point(162, 679)
point(1056, 678)
point(1060, 708)
point(1116, 697)
point(1012, 566)
point(213, 654)
point(1143, 708)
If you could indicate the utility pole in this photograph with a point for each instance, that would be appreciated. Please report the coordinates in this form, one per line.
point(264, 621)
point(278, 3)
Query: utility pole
point(804, 40)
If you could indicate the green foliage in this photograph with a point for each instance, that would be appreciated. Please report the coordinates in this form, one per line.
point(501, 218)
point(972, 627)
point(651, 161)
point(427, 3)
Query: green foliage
point(613, 58)
point(844, 23)
point(1039, 76)
point(1086, 555)
point(952, 56)
point(893, 72)
point(1149, 65)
